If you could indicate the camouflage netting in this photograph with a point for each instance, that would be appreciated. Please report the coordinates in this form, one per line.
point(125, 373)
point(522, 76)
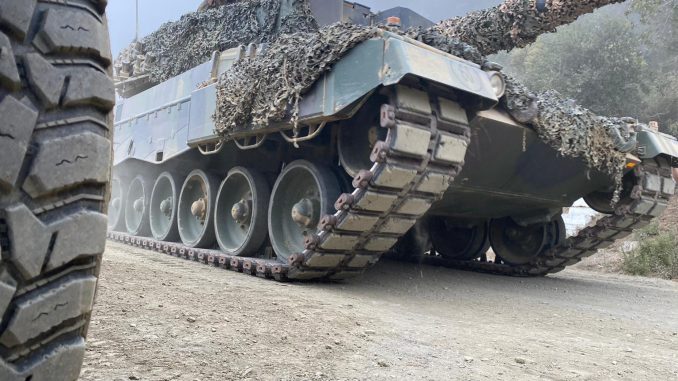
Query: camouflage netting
point(516, 23)
point(447, 44)
point(216, 3)
point(181, 45)
point(260, 90)
point(267, 88)
point(570, 129)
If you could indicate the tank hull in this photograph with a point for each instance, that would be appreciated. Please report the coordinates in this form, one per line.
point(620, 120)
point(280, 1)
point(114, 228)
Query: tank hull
point(510, 171)
point(397, 139)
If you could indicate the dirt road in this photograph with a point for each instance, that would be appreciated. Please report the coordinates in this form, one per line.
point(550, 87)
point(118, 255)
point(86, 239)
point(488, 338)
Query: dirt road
point(161, 318)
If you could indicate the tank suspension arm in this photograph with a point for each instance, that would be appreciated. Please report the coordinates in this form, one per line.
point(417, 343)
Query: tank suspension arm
point(313, 132)
point(211, 149)
point(246, 144)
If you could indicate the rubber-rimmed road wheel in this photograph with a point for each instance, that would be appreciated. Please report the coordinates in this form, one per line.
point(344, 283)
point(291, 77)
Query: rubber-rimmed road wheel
point(516, 244)
point(196, 210)
point(460, 241)
point(241, 212)
point(137, 207)
point(116, 205)
point(163, 208)
point(55, 156)
point(302, 195)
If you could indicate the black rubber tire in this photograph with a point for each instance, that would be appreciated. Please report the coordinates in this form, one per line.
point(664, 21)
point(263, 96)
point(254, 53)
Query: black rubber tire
point(55, 163)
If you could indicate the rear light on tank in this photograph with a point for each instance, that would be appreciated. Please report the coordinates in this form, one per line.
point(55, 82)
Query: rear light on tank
point(632, 161)
point(498, 83)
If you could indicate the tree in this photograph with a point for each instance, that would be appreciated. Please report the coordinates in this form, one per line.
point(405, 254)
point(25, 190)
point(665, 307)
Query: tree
point(659, 25)
point(619, 61)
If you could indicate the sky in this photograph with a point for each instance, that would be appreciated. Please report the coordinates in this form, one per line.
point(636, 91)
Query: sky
point(153, 13)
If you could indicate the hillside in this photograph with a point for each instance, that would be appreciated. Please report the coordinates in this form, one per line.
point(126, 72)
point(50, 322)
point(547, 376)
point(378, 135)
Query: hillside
point(433, 10)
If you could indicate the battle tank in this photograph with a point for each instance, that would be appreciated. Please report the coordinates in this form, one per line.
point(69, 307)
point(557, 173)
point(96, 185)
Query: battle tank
point(400, 148)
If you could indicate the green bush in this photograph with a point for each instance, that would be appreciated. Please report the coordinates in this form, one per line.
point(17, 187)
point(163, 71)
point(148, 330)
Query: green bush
point(656, 255)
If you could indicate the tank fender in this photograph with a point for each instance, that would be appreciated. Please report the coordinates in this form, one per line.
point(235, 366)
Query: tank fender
point(388, 60)
point(653, 144)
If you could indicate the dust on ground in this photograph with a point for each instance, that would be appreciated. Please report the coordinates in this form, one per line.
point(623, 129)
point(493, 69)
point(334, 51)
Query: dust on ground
point(162, 318)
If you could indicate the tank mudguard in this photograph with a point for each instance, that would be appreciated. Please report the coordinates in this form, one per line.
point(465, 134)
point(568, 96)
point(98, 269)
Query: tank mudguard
point(652, 144)
point(386, 61)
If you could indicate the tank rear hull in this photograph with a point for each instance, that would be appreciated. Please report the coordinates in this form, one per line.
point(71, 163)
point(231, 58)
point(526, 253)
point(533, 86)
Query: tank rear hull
point(510, 171)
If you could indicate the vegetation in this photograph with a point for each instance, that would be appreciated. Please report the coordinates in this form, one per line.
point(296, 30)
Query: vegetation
point(656, 255)
point(619, 61)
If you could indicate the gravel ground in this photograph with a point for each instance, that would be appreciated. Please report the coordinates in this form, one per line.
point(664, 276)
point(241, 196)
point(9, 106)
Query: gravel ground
point(161, 318)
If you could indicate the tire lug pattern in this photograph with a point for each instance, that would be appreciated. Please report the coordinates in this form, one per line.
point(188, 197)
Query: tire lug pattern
point(55, 156)
point(69, 31)
point(44, 78)
point(15, 134)
point(89, 86)
point(9, 74)
point(63, 360)
point(17, 15)
point(70, 237)
point(7, 290)
point(67, 162)
point(30, 240)
point(45, 309)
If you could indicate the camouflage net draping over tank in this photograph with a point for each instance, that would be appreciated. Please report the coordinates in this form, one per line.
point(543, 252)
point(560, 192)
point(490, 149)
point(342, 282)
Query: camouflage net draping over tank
point(516, 23)
point(189, 42)
point(570, 129)
point(267, 88)
point(260, 90)
point(216, 3)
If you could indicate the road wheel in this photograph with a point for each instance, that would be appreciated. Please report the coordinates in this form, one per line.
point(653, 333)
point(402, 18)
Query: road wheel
point(196, 210)
point(302, 195)
point(240, 218)
point(516, 244)
point(55, 158)
point(456, 240)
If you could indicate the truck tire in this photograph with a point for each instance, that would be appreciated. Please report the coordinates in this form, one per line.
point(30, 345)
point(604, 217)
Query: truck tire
point(56, 98)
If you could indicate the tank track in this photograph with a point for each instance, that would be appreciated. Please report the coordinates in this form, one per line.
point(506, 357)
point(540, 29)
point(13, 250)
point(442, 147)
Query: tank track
point(400, 188)
point(412, 168)
point(652, 191)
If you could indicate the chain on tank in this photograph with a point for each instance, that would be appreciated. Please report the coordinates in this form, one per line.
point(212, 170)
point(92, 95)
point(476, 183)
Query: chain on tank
point(423, 152)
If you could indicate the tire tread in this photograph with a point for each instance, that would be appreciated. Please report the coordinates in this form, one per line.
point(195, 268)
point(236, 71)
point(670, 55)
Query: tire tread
point(55, 147)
